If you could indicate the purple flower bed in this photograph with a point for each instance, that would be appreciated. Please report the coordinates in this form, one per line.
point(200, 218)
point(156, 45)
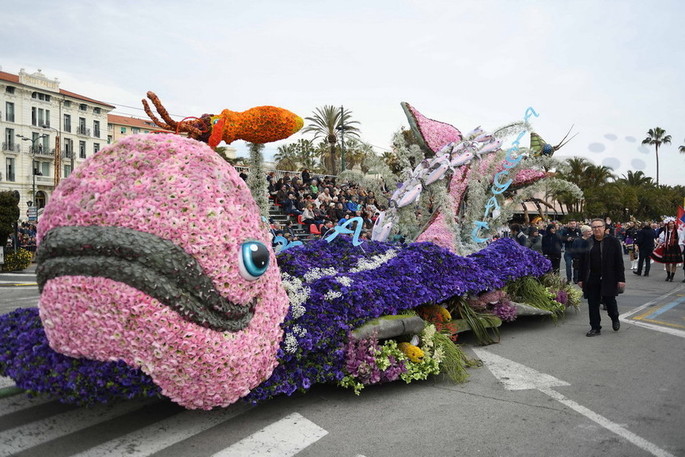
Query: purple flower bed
point(357, 284)
point(26, 357)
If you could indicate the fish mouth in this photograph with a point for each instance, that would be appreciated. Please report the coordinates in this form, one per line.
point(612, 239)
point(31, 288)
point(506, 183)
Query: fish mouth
point(146, 262)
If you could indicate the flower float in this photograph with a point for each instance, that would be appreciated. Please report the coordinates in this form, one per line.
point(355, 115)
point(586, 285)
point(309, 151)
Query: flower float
point(157, 277)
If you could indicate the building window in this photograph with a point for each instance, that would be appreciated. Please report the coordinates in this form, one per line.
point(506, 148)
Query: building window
point(8, 144)
point(67, 103)
point(67, 123)
point(40, 117)
point(45, 168)
point(41, 97)
point(68, 147)
point(96, 129)
point(135, 130)
point(9, 111)
point(109, 139)
point(96, 110)
point(96, 148)
point(82, 126)
point(83, 107)
point(9, 169)
point(123, 130)
point(67, 171)
point(9, 89)
point(82, 149)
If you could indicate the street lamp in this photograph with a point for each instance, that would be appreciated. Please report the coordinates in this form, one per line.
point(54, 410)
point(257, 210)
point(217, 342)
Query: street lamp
point(33, 164)
point(58, 154)
point(342, 128)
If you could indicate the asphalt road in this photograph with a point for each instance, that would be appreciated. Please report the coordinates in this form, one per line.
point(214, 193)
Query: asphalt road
point(545, 390)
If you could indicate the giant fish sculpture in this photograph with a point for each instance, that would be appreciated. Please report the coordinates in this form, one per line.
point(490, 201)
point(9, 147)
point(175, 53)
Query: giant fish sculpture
point(154, 265)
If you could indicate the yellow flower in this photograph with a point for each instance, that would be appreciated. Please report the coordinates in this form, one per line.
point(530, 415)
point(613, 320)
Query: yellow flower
point(413, 353)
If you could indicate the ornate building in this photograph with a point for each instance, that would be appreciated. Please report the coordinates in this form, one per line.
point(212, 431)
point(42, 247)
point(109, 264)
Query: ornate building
point(46, 132)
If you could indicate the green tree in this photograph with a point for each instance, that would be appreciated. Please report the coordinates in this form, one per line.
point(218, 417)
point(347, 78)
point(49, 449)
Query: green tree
point(286, 157)
point(9, 214)
point(656, 137)
point(327, 123)
point(637, 179)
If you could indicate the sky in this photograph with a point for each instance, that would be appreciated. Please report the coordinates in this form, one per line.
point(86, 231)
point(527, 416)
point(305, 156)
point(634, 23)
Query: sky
point(611, 70)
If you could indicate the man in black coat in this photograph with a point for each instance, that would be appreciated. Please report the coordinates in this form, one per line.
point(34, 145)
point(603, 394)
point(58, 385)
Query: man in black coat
point(645, 246)
point(602, 276)
point(551, 247)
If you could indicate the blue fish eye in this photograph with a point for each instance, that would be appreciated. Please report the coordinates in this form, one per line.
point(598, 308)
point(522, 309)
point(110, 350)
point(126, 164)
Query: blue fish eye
point(253, 260)
point(215, 121)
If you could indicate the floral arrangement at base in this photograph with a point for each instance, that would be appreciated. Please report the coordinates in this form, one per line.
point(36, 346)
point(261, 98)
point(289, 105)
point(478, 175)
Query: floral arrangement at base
point(17, 261)
point(369, 362)
point(26, 357)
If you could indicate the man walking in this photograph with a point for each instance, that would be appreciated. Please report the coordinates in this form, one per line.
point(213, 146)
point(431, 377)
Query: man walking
point(645, 245)
point(568, 235)
point(551, 247)
point(602, 276)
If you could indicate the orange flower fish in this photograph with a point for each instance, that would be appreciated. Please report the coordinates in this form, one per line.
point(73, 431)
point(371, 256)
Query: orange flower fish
point(262, 124)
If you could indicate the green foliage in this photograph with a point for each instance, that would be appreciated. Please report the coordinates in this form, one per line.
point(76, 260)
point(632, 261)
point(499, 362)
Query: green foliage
point(532, 292)
point(326, 124)
point(455, 361)
point(9, 214)
point(477, 322)
point(256, 180)
point(17, 261)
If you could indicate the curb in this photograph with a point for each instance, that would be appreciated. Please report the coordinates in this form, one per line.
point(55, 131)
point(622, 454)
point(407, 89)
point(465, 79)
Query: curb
point(10, 391)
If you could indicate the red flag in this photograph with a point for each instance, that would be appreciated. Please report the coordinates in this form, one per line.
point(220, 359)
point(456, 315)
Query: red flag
point(680, 216)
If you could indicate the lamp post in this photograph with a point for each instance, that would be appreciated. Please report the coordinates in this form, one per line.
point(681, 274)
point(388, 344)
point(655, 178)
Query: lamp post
point(33, 160)
point(341, 127)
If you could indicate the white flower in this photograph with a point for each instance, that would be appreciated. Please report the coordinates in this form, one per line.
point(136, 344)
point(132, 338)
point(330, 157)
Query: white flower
point(316, 273)
point(290, 343)
point(332, 294)
point(374, 262)
point(345, 280)
point(297, 293)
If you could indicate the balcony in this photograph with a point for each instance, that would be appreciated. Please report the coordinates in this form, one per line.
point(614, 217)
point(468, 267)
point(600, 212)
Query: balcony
point(83, 131)
point(41, 151)
point(11, 147)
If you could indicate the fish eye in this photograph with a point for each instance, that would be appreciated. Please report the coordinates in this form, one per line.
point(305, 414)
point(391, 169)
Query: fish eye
point(253, 260)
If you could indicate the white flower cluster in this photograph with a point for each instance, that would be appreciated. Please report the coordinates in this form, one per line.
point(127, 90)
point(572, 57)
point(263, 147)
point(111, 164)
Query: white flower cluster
point(345, 280)
point(332, 294)
point(316, 273)
point(297, 293)
point(291, 340)
point(374, 262)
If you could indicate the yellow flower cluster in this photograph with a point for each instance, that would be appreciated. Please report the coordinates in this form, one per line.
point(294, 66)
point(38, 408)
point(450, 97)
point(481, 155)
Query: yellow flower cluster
point(413, 353)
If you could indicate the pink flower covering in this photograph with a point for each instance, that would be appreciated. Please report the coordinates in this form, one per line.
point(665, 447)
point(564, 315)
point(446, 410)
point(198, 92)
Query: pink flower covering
point(182, 191)
point(435, 134)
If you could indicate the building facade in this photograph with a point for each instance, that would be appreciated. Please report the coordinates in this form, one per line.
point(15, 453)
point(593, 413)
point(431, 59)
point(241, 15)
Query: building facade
point(119, 127)
point(46, 133)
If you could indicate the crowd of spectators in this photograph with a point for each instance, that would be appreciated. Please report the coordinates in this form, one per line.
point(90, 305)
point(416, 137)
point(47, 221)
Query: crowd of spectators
point(320, 203)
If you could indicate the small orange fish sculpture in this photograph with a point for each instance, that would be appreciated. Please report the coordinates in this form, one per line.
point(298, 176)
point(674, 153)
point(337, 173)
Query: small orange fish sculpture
point(261, 124)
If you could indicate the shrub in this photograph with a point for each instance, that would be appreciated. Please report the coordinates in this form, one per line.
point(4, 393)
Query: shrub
point(17, 261)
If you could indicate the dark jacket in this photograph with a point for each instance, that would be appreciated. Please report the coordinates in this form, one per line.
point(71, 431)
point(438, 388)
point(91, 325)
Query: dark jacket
point(568, 236)
point(645, 239)
point(613, 270)
point(579, 245)
point(551, 245)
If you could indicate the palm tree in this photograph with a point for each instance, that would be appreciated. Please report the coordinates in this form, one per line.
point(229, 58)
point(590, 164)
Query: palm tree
point(327, 122)
point(637, 179)
point(657, 136)
point(681, 149)
point(286, 157)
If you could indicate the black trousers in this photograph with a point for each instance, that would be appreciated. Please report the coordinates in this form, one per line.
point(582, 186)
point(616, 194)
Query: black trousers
point(556, 263)
point(643, 257)
point(595, 299)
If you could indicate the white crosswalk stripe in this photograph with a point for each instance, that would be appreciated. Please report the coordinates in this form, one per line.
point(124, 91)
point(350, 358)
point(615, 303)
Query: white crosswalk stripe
point(26, 436)
point(155, 437)
point(284, 438)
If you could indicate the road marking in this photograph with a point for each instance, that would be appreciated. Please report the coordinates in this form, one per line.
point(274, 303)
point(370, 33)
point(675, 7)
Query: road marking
point(651, 314)
point(16, 403)
point(651, 326)
point(160, 435)
point(515, 376)
point(284, 438)
point(29, 435)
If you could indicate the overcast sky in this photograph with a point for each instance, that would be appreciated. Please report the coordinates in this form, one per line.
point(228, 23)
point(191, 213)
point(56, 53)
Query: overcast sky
point(614, 69)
